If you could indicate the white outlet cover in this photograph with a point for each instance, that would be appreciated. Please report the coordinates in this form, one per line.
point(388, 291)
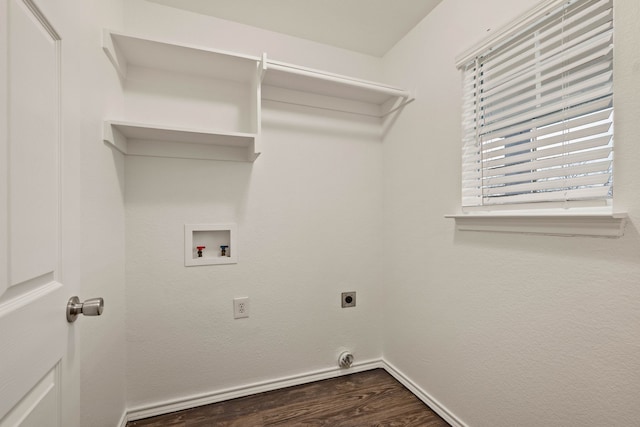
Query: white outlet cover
point(240, 307)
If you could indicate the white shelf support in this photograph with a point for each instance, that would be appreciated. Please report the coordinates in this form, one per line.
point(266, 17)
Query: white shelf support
point(266, 79)
point(112, 51)
point(397, 105)
point(256, 101)
point(263, 66)
point(115, 138)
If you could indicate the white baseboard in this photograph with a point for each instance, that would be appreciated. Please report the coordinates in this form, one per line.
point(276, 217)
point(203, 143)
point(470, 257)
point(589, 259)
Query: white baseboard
point(123, 419)
point(432, 403)
point(193, 401)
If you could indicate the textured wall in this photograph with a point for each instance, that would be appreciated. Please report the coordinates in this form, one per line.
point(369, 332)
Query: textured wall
point(309, 214)
point(505, 329)
point(178, 25)
point(502, 329)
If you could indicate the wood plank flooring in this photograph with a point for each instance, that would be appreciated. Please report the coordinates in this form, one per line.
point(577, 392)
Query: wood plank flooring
point(371, 398)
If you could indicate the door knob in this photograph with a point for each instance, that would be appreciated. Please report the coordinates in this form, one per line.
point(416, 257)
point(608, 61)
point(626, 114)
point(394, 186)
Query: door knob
point(91, 307)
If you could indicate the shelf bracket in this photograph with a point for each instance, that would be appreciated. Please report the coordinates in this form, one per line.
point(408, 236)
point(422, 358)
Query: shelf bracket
point(403, 101)
point(114, 137)
point(263, 66)
point(112, 51)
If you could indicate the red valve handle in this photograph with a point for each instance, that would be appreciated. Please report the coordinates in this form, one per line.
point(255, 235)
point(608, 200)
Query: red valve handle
point(200, 247)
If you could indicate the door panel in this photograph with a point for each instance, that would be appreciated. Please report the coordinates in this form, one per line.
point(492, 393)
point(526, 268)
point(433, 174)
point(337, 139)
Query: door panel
point(34, 105)
point(33, 328)
point(38, 405)
point(33, 336)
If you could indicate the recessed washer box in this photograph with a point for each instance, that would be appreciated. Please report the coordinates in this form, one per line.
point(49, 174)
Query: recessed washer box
point(216, 242)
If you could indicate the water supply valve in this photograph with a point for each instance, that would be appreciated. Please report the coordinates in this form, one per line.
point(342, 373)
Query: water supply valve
point(200, 248)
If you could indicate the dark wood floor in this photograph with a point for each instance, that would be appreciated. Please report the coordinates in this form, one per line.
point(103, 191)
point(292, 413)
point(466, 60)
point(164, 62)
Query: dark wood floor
point(372, 398)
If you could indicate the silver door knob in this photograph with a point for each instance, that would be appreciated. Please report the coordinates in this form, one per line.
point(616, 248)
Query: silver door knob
point(91, 307)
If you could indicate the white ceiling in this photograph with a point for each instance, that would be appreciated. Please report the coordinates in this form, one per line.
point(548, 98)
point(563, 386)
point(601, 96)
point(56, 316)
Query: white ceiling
point(368, 26)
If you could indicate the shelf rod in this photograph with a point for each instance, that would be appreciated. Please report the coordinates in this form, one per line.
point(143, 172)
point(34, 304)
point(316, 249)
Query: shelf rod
point(337, 79)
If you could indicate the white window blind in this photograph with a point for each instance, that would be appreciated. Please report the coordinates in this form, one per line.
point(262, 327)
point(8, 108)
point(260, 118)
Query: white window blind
point(538, 110)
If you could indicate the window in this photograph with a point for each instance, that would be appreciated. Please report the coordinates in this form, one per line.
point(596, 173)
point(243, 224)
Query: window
point(538, 110)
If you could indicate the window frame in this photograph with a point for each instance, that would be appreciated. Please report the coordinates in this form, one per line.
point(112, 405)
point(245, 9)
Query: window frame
point(569, 218)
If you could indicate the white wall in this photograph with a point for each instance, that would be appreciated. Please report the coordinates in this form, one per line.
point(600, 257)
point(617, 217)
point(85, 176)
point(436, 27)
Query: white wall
point(309, 213)
point(178, 25)
point(505, 329)
point(547, 334)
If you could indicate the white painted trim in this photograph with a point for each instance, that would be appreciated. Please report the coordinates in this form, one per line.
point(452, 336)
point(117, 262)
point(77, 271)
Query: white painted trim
point(602, 225)
point(123, 419)
point(187, 402)
point(431, 402)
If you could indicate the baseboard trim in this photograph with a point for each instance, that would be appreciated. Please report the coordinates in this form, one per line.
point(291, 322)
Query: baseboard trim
point(432, 403)
point(123, 419)
point(187, 402)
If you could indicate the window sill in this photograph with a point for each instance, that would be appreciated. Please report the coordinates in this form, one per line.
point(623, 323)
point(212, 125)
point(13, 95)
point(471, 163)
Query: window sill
point(592, 225)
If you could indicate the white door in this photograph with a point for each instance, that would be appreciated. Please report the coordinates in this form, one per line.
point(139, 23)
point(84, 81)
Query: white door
point(37, 363)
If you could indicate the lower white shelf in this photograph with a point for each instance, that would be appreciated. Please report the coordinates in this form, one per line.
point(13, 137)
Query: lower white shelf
point(140, 139)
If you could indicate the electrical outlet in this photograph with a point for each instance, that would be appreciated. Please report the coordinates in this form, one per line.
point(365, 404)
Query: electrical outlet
point(240, 307)
point(348, 299)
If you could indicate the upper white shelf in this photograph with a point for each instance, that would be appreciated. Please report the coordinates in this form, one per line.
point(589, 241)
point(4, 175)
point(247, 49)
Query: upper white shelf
point(293, 77)
point(124, 50)
point(268, 79)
